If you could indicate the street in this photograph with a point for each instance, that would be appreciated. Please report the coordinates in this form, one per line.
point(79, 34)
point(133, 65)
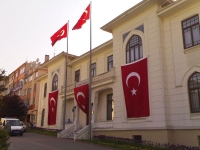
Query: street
point(33, 141)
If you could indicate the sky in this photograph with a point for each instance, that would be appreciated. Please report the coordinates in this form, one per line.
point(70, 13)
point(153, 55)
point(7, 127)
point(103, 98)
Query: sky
point(27, 25)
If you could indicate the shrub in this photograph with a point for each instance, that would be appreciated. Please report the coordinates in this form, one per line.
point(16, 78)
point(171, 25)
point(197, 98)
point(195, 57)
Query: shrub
point(4, 136)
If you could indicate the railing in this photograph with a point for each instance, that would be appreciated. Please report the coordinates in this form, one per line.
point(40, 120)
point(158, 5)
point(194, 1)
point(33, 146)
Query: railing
point(17, 88)
point(82, 134)
point(104, 78)
point(108, 124)
point(65, 133)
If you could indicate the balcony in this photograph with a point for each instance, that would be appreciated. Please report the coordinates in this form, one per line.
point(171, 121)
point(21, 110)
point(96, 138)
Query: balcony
point(17, 88)
point(31, 107)
point(99, 80)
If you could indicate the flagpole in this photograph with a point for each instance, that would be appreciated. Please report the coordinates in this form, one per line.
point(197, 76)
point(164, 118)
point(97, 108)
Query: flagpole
point(65, 80)
point(90, 77)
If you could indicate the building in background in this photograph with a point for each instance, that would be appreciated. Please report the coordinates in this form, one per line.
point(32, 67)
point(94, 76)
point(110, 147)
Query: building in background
point(30, 89)
point(18, 79)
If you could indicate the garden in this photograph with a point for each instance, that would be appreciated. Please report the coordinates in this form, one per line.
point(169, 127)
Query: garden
point(130, 144)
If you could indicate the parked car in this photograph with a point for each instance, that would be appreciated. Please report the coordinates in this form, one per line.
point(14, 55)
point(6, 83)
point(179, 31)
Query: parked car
point(12, 125)
point(24, 126)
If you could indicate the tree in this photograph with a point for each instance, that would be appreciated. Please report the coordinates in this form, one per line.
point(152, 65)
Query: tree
point(4, 137)
point(2, 77)
point(2, 86)
point(13, 106)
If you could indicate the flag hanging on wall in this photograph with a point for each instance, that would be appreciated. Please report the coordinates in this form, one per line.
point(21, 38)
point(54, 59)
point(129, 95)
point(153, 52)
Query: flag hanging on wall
point(85, 16)
point(135, 86)
point(81, 95)
point(52, 105)
point(61, 33)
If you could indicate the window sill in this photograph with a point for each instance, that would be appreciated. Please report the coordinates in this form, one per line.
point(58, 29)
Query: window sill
point(192, 49)
point(141, 119)
point(195, 116)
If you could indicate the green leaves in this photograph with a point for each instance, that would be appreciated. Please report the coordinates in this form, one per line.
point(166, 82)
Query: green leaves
point(3, 139)
point(13, 106)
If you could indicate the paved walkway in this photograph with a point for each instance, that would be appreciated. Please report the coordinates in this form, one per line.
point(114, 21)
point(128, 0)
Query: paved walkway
point(33, 141)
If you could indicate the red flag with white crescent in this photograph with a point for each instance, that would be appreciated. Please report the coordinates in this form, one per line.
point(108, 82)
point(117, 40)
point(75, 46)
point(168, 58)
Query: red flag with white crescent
point(85, 16)
point(81, 95)
point(52, 105)
point(135, 86)
point(61, 33)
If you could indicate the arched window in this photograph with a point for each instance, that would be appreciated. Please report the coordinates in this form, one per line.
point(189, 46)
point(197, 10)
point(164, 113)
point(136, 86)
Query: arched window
point(194, 92)
point(55, 82)
point(134, 49)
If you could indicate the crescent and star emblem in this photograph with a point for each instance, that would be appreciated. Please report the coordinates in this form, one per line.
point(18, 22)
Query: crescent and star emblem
point(132, 74)
point(80, 94)
point(54, 101)
point(86, 12)
point(61, 33)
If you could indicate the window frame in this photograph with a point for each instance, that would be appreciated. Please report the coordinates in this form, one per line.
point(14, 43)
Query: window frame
point(189, 27)
point(192, 110)
point(131, 51)
point(55, 82)
point(109, 107)
point(35, 86)
point(45, 89)
point(77, 75)
point(109, 62)
point(93, 69)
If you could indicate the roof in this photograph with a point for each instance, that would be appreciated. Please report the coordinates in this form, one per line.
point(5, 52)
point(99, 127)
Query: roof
point(94, 50)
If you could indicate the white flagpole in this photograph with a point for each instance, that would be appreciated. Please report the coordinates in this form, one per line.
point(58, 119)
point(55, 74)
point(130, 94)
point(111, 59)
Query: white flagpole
point(65, 80)
point(90, 76)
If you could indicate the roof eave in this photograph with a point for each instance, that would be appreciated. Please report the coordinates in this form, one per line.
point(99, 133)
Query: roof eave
point(124, 16)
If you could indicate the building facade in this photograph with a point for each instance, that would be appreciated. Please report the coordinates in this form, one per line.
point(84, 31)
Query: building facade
point(167, 33)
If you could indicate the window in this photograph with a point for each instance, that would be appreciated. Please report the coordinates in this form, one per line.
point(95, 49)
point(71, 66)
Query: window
point(20, 83)
point(110, 106)
point(77, 75)
point(29, 91)
point(194, 92)
point(36, 74)
point(137, 138)
point(45, 89)
point(198, 140)
point(24, 91)
point(134, 49)
point(93, 69)
point(35, 87)
point(55, 82)
point(110, 62)
point(30, 78)
point(21, 70)
point(25, 81)
point(16, 74)
point(191, 34)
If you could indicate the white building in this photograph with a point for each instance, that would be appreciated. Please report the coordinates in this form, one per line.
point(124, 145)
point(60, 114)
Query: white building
point(167, 33)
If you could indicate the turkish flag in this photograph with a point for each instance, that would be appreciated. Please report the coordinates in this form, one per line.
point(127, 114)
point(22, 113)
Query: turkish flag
point(61, 33)
point(81, 95)
point(85, 16)
point(135, 85)
point(52, 103)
